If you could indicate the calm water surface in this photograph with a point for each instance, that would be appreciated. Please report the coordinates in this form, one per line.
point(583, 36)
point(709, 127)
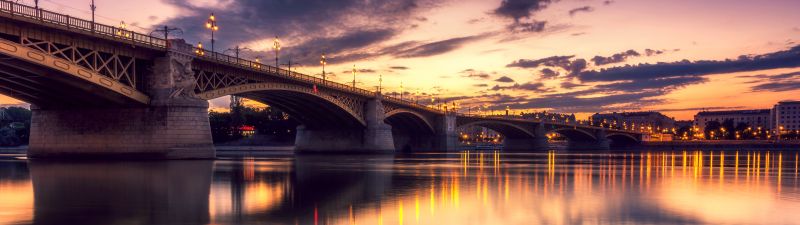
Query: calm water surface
point(672, 187)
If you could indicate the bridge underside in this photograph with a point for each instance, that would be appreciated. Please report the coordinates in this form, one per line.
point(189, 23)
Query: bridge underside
point(50, 88)
point(411, 132)
point(77, 118)
point(327, 126)
point(307, 109)
point(523, 136)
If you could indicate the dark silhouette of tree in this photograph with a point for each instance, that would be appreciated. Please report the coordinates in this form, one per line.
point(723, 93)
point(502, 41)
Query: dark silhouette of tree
point(15, 125)
point(728, 133)
point(711, 126)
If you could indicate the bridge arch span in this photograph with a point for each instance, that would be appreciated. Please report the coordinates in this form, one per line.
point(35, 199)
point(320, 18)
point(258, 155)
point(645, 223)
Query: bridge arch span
point(45, 80)
point(574, 134)
point(313, 109)
point(409, 121)
point(622, 139)
point(509, 130)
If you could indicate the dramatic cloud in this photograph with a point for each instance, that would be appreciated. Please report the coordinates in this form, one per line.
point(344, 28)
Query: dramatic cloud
point(552, 61)
point(660, 84)
point(436, 48)
point(716, 108)
point(530, 86)
point(778, 86)
point(360, 71)
point(332, 45)
point(548, 73)
point(651, 52)
point(572, 12)
point(570, 85)
point(616, 58)
point(299, 24)
point(775, 83)
point(471, 73)
point(686, 68)
point(478, 75)
point(577, 66)
point(504, 79)
point(398, 68)
point(521, 11)
point(564, 62)
point(571, 102)
point(535, 26)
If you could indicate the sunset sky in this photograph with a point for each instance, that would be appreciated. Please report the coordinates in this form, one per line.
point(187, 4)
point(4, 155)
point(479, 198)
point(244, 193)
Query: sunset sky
point(570, 56)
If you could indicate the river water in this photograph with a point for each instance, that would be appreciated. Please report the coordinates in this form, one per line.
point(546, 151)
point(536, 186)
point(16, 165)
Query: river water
point(617, 187)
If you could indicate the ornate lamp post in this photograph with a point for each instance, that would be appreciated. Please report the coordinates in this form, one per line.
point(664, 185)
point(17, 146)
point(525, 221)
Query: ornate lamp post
point(211, 24)
point(166, 30)
point(323, 61)
point(93, 7)
point(276, 45)
point(401, 90)
point(354, 76)
point(380, 82)
point(122, 31)
point(199, 50)
point(236, 51)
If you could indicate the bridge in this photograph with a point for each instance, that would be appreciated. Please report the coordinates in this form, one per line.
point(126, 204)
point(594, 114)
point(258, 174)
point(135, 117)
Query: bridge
point(100, 90)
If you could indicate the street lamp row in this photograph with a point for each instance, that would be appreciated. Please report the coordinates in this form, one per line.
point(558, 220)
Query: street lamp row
point(213, 27)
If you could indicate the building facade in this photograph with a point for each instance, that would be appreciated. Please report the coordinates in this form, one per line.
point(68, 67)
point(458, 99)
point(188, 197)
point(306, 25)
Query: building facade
point(787, 116)
point(652, 121)
point(756, 118)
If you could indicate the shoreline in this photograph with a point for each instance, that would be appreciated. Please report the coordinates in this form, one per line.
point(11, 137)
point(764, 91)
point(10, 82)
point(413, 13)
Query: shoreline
point(766, 145)
point(228, 150)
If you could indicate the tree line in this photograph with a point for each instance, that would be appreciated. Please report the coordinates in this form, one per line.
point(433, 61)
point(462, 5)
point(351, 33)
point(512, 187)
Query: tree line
point(15, 125)
point(232, 125)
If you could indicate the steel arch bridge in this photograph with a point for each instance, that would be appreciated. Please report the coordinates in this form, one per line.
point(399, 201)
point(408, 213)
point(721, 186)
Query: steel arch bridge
point(82, 77)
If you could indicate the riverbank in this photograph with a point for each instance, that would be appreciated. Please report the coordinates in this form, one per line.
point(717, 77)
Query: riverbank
point(723, 144)
point(14, 150)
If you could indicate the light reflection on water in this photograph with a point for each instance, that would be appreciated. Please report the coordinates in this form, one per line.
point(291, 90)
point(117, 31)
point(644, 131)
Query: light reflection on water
point(673, 187)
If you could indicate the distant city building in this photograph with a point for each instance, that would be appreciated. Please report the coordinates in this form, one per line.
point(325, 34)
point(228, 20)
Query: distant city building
point(683, 123)
point(647, 120)
point(754, 118)
point(786, 115)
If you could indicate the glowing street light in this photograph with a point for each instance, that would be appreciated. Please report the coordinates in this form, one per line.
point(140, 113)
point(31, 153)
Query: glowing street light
point(199, 50)
point(122, 32)
point(258, 62)
point(211, 24)
point(276, 45)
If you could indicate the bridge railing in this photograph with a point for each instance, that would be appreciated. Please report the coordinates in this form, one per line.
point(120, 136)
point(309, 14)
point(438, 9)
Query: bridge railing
point(558, 122)
point(71, 23)
point(260, 67)
point(66, 22)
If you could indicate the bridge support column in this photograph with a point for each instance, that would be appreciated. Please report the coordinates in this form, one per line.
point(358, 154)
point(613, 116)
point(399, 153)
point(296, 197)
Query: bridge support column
point(376, 137)
point(153, 132)
point(537, 143)
point(601, 143)
point(174, 125)
point(446, 138)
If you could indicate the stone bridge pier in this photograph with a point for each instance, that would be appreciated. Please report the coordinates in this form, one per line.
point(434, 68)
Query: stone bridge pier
point(536, 143)
point(375, 137)
point(173, 125)
point(598, 142)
